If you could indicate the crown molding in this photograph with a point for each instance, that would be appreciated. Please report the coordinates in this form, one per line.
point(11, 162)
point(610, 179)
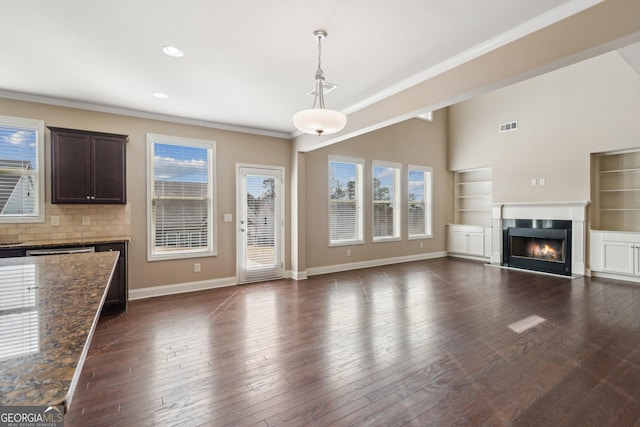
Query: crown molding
point(59, 102)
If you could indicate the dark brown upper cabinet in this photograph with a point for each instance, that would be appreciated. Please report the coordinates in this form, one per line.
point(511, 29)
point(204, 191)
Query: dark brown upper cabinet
point(88, 167)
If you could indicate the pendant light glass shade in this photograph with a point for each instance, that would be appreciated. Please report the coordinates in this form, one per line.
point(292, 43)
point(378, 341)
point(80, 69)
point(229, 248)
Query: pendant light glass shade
point(318, 120)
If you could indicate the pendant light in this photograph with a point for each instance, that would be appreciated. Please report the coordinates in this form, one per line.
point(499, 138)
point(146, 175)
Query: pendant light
point(318, 120)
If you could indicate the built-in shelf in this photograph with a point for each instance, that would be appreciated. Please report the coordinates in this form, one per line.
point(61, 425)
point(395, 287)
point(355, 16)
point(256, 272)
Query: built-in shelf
point(473, 197)
point(616, 190)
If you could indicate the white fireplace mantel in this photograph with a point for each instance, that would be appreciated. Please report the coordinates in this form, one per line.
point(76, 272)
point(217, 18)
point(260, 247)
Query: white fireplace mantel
point(575, 211)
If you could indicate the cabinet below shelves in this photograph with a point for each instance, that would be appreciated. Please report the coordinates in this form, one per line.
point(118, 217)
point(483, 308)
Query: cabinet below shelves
point(468, 240)
point(616, 254)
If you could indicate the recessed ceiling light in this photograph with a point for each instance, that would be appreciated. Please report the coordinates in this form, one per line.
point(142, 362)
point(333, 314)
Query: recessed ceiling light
point(173, 51)
point(161, 95)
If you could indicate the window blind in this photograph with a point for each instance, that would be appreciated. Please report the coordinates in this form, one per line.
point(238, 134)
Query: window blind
point(261, 225)
point(18, 315)
point(419, 202)
point(181, 198)
point(386, 206)
point(345, 213)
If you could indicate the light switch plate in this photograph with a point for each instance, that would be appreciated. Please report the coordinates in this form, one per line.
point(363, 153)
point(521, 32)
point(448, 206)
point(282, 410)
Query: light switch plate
point(55, 221)
point(228, 217)
point(86, 220)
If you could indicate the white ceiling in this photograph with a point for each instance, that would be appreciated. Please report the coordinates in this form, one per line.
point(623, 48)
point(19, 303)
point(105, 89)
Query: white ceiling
point(249, 64)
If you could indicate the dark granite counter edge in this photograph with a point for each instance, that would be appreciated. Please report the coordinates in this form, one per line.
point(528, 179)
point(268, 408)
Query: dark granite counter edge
point(63, 242)
point(87, 344)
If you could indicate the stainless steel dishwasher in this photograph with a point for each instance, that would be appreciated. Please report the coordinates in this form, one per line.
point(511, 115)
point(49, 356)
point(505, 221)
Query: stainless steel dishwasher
point(59, 251)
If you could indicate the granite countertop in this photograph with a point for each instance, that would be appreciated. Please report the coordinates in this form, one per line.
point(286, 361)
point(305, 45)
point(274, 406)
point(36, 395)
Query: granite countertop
point(49, 308)
point(63, 242)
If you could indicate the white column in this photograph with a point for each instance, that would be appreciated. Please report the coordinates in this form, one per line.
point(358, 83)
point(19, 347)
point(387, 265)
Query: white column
point(496, 221)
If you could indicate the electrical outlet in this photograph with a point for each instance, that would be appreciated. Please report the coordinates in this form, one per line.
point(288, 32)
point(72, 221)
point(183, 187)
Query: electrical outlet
point(55, 221)
point(196, 267)
point(421, 245)
point(86, 220)
point(533, 181)
point(542, 181)
point(348, 252)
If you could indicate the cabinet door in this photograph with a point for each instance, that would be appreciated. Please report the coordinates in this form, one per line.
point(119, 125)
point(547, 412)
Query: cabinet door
point(116, 299)
point(12, 253)
point(476, 244)
point(617, 257)
point(108, 183)
point(71, 167)
point(457, 242)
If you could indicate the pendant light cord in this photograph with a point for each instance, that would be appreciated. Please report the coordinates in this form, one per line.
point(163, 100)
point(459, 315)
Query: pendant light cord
point(319, 81)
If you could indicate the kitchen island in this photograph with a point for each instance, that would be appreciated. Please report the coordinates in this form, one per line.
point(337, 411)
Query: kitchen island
point(49, 308)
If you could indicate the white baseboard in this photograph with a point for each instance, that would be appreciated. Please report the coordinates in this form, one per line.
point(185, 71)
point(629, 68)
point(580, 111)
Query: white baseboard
point(613, 276)
point(373, 263)
point(295, 275)
point(473, 257)
point(179, 288)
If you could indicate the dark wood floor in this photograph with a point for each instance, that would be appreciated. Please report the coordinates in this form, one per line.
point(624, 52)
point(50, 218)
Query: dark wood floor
point(422, 343)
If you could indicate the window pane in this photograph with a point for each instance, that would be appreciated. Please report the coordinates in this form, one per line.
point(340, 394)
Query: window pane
point(385, 201)
point(181, 197)
point(419, 190)
point(20, 175)
point(261, 226)
point(344, 204)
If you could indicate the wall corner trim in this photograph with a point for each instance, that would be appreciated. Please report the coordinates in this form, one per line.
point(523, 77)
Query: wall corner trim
point(296, 275)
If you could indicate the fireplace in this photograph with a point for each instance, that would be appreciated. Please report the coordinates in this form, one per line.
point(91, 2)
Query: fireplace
point(540, 245)
point(569, 217)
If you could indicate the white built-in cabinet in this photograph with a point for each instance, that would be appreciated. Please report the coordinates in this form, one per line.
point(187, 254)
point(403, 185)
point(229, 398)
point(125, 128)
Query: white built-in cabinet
point(616, 253)
point(470, 235)
point(615, 235)
point(469, 240)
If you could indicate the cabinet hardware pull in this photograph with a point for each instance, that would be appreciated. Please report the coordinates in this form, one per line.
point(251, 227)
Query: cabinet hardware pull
point(88, 197)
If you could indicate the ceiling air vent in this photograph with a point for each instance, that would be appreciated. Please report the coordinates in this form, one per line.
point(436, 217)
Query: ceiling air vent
point(507, 127)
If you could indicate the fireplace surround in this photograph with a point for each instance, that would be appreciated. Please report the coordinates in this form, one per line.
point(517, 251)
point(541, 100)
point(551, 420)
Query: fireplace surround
point(540, 245)
point(566, 219)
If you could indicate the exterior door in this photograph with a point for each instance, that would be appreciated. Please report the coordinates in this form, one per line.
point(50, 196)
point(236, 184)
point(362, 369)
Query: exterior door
point(260, 224)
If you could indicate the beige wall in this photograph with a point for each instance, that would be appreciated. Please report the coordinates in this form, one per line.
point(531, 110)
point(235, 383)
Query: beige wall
point(232, 148)
point(563, 116)
point(411, 142)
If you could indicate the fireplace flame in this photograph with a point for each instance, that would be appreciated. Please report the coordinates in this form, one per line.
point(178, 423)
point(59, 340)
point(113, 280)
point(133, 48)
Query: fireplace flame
point(542, 251)
point(547, 252)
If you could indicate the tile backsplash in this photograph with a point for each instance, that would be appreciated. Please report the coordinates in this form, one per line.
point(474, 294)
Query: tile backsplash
point(75, 222)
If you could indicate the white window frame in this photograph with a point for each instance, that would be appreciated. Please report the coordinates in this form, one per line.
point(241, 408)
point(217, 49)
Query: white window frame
point(396, 201)
point(359, 163)
point(211, 249)
point(38, 126)
point(428, 201)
